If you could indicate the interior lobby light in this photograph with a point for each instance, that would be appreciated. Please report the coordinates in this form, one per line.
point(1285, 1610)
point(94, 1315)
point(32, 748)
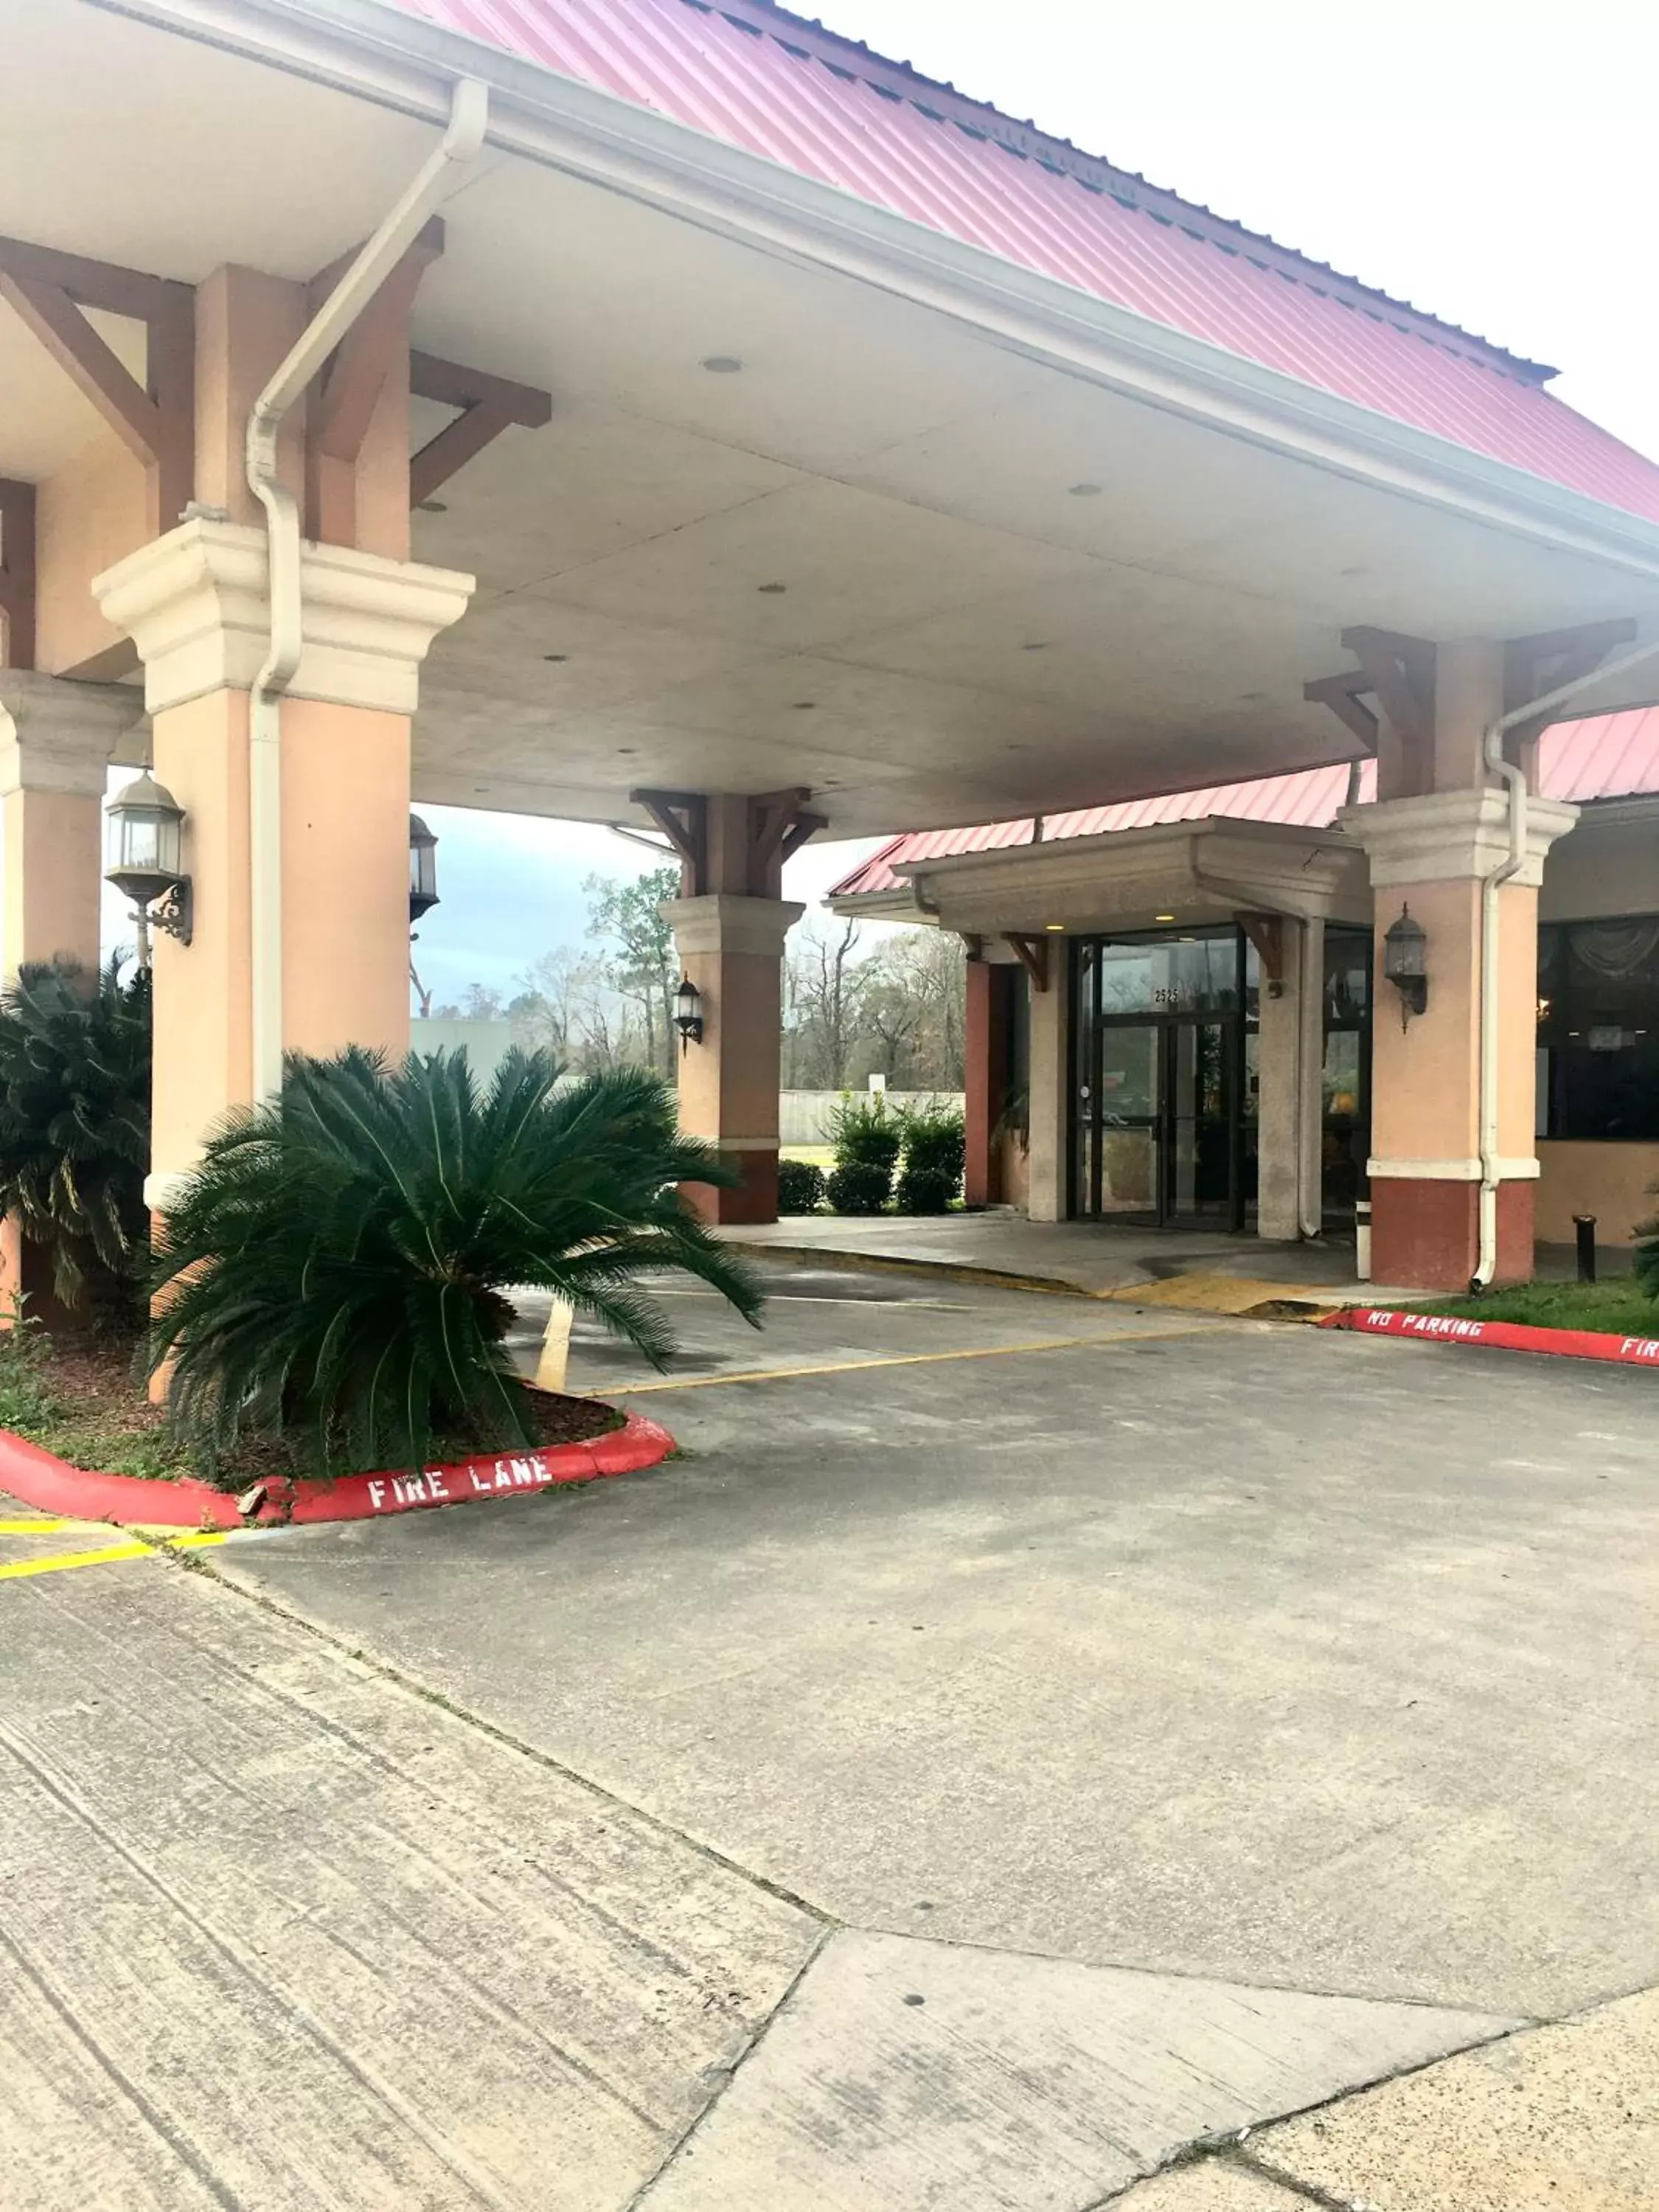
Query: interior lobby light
point(1162, 917)
point(1054, 925)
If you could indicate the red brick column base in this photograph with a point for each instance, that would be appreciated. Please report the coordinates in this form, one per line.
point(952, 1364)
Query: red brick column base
point(755, 1199)
point(1425, 1233)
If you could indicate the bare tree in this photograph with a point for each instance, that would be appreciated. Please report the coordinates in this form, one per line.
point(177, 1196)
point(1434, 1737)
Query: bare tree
point(825, 988)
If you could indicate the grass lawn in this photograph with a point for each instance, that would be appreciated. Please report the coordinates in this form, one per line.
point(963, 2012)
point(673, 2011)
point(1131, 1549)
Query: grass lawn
point(1617, 1309)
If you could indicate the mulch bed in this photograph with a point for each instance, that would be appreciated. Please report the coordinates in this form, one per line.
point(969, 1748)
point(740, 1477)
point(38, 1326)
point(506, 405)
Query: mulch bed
point(92, 1379)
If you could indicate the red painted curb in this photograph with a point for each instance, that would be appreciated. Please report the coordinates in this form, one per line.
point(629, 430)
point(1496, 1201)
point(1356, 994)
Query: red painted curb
point(1500, 1336)
point(42, 1479)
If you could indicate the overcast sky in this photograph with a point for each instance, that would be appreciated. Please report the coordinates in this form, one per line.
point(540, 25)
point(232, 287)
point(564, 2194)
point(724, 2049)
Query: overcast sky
point(1493, 162)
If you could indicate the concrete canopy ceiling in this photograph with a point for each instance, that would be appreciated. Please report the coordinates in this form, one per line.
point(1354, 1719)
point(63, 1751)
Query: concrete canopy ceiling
point(1007, 587)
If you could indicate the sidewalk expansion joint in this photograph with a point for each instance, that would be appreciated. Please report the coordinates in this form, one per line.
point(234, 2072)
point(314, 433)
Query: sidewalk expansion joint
point(827, 1932)
point(190, 1563)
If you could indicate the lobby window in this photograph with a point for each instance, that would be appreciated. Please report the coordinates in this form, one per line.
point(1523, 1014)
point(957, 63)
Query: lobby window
point(1598, 1030)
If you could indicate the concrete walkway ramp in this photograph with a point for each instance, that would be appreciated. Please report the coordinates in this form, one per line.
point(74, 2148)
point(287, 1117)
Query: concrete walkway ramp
point(905, 2075)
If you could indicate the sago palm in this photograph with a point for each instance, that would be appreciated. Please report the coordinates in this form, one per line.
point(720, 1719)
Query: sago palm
point(337, 1272)
point(75, 1048)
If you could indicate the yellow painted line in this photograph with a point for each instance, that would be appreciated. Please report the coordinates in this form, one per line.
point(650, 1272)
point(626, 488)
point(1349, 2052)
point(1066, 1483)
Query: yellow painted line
point(60, 1561)
point(911, 1359)
point(40, 1527)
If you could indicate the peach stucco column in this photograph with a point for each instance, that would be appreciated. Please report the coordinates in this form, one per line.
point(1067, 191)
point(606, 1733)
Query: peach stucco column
point(731, 949)
point(194, 602)
point(1430, 853)
point(1049, 1094)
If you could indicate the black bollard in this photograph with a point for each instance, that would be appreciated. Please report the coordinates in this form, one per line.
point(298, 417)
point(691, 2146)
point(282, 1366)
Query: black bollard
point(1585, 1224)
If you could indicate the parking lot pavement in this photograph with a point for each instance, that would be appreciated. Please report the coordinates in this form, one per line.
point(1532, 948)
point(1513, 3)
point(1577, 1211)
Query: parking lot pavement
point(1248, 1650)
point(1017, 1740)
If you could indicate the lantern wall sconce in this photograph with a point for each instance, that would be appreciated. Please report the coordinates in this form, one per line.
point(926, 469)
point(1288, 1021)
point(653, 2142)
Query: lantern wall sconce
point(423, 869)
point(143, 856)
point(688, 1013)
point(1406, 964)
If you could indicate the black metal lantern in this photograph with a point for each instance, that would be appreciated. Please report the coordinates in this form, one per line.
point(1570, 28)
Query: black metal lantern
point(423, 869)
point(144, 854)
point(688, 1012)
point(1406, 963)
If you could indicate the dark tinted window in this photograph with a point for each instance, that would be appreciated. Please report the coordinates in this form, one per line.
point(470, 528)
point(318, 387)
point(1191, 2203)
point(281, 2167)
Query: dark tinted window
point(1598, 1026)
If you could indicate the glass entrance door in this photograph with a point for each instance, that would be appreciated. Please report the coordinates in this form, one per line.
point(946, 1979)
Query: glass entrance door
point(1197, 1137)
point(1157, 1124)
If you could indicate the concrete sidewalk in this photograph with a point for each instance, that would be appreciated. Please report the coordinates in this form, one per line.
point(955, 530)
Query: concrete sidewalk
point(1223, 1273)
point(1020, 1747)
point(1091, 1258)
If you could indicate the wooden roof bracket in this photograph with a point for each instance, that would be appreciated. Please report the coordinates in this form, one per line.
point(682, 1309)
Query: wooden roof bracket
point(682, 818)
point(1032, 953)
point(1266, 932)
point(51, 293)
point(489, 405)
point(17, 573)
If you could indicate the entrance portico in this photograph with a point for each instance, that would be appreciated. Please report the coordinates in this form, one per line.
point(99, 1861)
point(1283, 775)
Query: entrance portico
point(1024, 537)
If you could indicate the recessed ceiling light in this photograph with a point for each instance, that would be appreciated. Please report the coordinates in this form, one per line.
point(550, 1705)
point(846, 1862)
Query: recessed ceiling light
point(555, 656)
point(805, 706)
point(1054, 925)
point(1358, 571)
point(772, 587)
point(1041, 646)
point(1162, 917)
point(430, 507)
point(1086, 490)
point(1251, 698)
point(722, 364)
point(628, 749)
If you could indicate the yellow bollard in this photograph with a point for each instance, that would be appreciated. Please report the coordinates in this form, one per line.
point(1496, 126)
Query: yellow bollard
point(555, 1348)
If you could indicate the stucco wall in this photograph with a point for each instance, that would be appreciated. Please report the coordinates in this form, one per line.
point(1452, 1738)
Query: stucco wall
point(90, 514)
point(1613, 1181)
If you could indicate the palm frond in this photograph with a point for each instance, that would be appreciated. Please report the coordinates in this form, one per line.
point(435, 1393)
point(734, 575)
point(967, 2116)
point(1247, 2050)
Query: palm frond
point(337, 1270)
point(75, 1056)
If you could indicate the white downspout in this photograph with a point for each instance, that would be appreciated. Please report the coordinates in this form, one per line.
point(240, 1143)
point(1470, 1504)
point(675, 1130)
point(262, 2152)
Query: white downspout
point(461, 143)
point(1515, 780)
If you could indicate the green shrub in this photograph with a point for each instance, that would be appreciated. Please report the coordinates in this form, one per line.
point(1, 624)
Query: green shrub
point(335, 1273)
point(866, 1136)
point(26, 1397)
point(800, 1187)
point(935, 1143)
point(1645, 1266)
point(862, 1187)
point(75, 1051)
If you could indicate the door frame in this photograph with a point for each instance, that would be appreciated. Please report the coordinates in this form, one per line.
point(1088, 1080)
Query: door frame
point(1165, 1022)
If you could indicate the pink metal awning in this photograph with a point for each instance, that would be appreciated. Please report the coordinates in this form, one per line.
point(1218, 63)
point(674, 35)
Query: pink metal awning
point(1614, 757)
point(825, 107)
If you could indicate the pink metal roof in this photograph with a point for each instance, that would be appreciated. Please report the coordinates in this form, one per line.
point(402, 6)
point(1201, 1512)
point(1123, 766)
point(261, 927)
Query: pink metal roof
point(1614, 757)
point(825, 107)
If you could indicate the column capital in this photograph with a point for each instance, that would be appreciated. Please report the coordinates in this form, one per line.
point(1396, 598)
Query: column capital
point(721, 921)
point(59, 736)
point(1446, 835)
point(195, 603)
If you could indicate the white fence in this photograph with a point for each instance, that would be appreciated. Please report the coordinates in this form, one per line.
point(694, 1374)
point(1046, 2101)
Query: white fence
point(803, 1115)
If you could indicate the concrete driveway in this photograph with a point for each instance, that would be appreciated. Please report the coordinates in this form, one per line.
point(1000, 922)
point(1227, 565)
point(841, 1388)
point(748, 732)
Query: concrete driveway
point(1018, 1739)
